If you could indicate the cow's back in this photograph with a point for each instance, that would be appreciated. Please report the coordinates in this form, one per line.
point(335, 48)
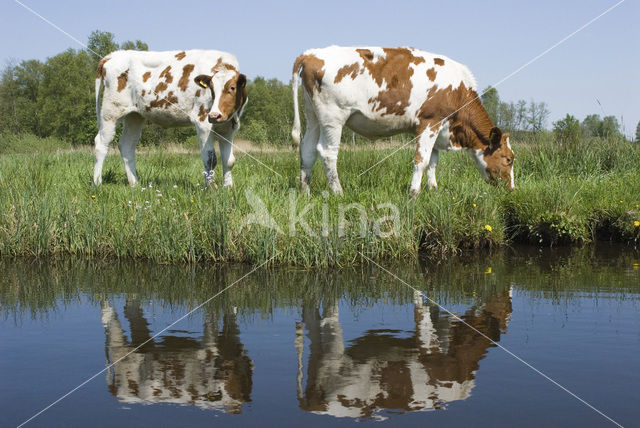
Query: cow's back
point(383, 85)
point(157, 85)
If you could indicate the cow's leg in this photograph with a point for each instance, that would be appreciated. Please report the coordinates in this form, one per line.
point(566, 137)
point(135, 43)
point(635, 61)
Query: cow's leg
point(431, 169)
point(225, 143)
point(328, 148)
point(102, 141)
point(424, 150)
point(127, 144)
point(308, 147)
point(208, 153)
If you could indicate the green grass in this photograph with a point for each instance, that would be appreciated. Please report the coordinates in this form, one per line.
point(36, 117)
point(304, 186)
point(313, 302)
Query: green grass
point(564, 195)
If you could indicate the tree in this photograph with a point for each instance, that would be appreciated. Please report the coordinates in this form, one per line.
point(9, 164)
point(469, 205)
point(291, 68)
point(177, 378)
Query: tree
point(567, 131)
point(491, 101)
point(138, 45)
point(610, 127)
point(101, 43)
point(591, 125)
point(537, 115)
point(66, 99)
point(638, 133)
point(269, 113)
point(19, 86)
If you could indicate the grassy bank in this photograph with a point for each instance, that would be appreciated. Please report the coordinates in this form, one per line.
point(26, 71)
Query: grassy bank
point(564, 195)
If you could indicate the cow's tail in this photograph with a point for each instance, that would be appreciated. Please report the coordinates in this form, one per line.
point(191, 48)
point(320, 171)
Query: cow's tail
point(98, 103)
point(100, 73)
point(295, 132)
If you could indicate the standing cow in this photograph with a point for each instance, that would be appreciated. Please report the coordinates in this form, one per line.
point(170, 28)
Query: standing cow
point(175, 88)
point(379, 92)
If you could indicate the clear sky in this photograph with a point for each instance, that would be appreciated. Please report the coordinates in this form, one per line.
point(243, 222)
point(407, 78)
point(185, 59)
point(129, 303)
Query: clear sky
point(492, 38)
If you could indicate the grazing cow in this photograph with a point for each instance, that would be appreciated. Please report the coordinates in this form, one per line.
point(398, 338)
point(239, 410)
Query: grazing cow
point(175, 88)
point(380, 92)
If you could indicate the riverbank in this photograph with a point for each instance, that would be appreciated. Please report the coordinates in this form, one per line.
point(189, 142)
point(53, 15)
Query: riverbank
point(564, 195)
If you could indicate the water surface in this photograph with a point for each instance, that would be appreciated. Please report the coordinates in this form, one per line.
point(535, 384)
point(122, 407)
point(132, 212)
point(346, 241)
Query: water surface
point(324, 347)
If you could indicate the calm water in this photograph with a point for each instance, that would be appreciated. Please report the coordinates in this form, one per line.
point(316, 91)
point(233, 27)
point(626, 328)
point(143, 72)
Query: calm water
point(324, 347)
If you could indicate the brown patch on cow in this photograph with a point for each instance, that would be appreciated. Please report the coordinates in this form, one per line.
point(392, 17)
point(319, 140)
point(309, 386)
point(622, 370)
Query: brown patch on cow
point(202, 113)
point(230, 99)
point(146, 76)
point(184, 80)
point(395, 70)
point(166, 74)
point(365, 54)
point(469, 122)
point(417, 159)
point(312, 70)
point(100, 70)
point(229, 67)
point(160, 87)
point(165, 102)
point(198, 93)
point(351, 69)
point(213, 69)
point(438, 61)
point(428, 123)
point(122, 80)
point(180, 55)
point(431, 74)
point(143, 92)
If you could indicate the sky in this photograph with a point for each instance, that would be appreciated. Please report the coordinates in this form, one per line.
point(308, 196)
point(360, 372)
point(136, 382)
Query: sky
point(493, 38)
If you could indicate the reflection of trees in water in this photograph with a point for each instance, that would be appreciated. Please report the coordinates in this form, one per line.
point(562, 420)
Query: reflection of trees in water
point(388, 369)
point(214, 372)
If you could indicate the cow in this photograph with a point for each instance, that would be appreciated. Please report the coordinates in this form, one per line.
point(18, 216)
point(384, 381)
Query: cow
point(175, 88)
point(380, 92)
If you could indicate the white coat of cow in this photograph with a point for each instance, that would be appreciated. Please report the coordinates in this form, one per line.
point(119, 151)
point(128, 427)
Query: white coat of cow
point(380, 92)
point(176, 88)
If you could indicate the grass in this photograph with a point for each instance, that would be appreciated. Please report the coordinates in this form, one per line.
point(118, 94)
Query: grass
point(564, 195)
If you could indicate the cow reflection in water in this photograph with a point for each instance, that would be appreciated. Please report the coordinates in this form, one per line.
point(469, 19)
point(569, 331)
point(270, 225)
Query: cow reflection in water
point(213, 373)
point(392, 369)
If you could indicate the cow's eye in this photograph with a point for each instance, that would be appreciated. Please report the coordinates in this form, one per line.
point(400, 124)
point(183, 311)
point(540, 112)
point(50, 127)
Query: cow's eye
point(233, 88)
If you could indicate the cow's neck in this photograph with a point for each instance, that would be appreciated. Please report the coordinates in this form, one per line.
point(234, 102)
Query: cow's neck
point(474, 120)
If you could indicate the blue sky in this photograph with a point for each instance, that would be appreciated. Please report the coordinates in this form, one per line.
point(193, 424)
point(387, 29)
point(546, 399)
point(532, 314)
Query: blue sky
point(492, 38)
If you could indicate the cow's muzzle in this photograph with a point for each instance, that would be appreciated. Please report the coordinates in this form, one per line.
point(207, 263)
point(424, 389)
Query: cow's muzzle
point(216, 118)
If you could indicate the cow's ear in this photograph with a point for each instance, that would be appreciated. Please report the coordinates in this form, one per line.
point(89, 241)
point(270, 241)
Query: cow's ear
point(203, 80)
point(241, 91)
point(242, 81)
point(495, 136)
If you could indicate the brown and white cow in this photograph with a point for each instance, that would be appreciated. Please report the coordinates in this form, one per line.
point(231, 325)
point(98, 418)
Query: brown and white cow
point(196, 87)
point(380, 92)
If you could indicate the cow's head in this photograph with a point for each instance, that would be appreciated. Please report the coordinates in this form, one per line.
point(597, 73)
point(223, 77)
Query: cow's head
point(228, 92)
point(498, 159)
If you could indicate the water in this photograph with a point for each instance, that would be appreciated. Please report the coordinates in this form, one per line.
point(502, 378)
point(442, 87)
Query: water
point(324, 347)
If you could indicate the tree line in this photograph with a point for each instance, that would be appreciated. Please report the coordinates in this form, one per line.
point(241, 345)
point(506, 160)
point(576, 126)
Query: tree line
point(531, 117)
point(55, 98)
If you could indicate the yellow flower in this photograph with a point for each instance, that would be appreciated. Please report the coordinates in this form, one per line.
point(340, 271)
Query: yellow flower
point(488, 227)
point(636, 223)
point(454, 198)
point(474, 205)
point(570, 178)
point(488, 271)
point(192, 201)
point(93, 196)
